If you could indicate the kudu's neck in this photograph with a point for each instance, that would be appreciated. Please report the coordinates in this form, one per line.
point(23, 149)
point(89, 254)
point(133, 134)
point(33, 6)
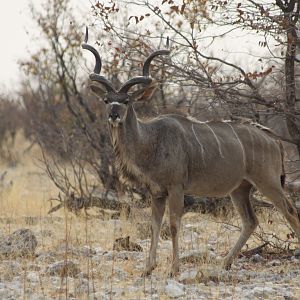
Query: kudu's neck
point(131, 128)
point(127, 136)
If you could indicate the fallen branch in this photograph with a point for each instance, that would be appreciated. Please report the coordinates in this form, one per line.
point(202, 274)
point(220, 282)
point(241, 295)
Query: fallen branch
point(257, 250)
point(75, 204)
point(111, 201)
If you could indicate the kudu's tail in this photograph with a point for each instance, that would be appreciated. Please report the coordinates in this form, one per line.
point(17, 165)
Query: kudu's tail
point(282, 176)
point(290, 206)
point(282, 180)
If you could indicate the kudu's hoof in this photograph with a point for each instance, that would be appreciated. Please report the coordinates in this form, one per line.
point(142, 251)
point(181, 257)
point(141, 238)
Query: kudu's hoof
point(148, 271)
point(226, 265)
point(174, 272)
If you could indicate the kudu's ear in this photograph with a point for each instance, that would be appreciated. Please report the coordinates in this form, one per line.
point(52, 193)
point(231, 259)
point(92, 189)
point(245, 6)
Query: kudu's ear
point(98, 89)
point(145, 93)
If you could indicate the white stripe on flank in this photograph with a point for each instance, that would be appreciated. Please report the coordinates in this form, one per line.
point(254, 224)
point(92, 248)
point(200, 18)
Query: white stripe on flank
point(252, 145)
point(240, 142)
point(267, 148)
point(190, 118)
point(263, 151)
point(259, 126)
point(201, 146)
point(218, 142)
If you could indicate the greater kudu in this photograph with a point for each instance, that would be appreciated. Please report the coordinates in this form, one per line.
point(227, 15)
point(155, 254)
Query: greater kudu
point(174, 155)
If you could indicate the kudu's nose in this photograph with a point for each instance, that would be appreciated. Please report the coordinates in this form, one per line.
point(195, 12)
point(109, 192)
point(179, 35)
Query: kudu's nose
point(114, 116)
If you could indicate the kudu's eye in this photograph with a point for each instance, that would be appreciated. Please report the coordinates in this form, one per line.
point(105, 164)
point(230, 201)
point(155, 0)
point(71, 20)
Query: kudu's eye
point(106, 101)
point(126, 101)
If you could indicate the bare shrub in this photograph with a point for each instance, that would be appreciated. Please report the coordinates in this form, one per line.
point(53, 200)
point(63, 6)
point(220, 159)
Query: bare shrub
point(12, 117)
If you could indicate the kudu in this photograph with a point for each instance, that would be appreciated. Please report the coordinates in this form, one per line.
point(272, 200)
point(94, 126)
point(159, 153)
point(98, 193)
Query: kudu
point(175, 155)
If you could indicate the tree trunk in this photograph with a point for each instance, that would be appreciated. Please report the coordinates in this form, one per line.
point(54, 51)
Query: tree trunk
point(289, 22)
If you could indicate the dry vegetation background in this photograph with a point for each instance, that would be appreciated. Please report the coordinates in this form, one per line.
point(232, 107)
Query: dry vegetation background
point(56, 156)
point(77, 257)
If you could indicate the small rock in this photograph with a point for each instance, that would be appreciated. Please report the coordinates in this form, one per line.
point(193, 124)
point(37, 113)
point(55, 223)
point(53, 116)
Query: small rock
point(22, 242)
point(9, 269)
point(87, 251)
point(5, 294)
point(145, 242)
point(102, 296)
point(297, 253)
point(188, 277)
point(193, 256)
point(46, 257)
point(242, 259)
point(37, 297)
point(63, 268)
point(274, 262)
point(212, 255)
point(33, 276)
point(122, 255)
point(226, 295)
point(120, 274)
point(213, 275)
point(82, 287)
point(99, 250)
point(188, 226)
point(84, 251)
point(174, 289)
point(262, 291)
point(97, 259)
point(190, 236)
point(289, 296)
point(130, 255)
point(256, 258)
point(55, 281)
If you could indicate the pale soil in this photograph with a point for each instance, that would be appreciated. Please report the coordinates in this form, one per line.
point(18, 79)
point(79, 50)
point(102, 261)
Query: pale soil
point(107, 274)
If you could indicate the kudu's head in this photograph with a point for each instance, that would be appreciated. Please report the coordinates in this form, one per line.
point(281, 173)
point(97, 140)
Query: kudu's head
point(118, 101)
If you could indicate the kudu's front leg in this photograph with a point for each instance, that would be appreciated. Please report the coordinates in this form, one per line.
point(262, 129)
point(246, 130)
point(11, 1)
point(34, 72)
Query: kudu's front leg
point(241, 201)
point(158, 209)
point(176, 205)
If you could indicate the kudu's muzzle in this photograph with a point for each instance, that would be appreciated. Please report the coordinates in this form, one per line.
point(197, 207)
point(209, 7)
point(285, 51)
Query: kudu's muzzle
point(113, 116)
point(114, 119)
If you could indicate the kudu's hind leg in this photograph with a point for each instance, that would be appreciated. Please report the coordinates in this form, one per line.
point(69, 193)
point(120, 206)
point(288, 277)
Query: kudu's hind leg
point(276, 195)
point(176, 205)
point(241, 201)
point(158, 208)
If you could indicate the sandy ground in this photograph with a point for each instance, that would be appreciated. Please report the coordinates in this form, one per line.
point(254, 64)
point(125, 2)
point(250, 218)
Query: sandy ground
point(99, 272)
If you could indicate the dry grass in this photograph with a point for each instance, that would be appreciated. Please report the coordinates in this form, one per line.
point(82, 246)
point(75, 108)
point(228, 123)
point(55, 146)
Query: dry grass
point(107, 274)
point(26, 186)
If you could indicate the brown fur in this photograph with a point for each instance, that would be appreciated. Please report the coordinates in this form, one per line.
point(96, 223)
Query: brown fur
point(174, 155)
